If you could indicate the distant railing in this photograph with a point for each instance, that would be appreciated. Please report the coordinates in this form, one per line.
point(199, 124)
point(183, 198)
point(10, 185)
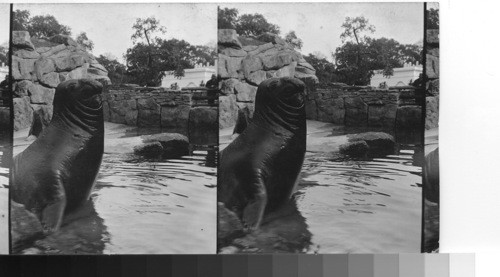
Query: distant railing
point(203, 96)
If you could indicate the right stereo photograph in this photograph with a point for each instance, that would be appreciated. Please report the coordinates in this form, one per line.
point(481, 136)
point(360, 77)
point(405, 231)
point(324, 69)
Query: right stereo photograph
point(328, 128)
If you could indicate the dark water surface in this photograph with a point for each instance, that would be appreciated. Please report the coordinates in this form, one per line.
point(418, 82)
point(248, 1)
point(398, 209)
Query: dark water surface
point(141, 206)
point(348, 206)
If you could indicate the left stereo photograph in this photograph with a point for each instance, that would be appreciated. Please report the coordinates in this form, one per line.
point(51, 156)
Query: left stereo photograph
point(115, 129)
point(5, 128)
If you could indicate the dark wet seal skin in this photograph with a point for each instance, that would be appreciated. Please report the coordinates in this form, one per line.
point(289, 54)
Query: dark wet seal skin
point(57, 172)
point(259, 170)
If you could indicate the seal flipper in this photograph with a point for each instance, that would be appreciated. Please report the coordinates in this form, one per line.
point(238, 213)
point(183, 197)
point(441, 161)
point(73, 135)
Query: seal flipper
point(52, 214)
point(254, 210)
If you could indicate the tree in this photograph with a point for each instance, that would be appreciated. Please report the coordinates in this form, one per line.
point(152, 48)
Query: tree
point(117, 72)
point(254, 25)
point(151, 56)
point(20, 20)
point(433, 19)
point(360, 55)
point(227, 18)
point(44, 26)
point(325, 70)
point(292, 39)
point(354, 27)
point(85, 42)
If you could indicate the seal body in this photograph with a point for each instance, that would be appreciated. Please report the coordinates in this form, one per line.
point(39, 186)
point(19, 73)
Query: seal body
point(259, 170)
point(57, 172)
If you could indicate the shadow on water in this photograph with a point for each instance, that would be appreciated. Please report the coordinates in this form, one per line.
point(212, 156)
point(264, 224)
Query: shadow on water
point(143, 206)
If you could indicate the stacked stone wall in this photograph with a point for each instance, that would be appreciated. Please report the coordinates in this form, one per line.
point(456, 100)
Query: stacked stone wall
point(432, 85)
point(38, 66)
point(158, 107)
point(364, 107)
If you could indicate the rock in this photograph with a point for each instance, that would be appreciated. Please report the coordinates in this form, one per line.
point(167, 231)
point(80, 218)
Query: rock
point(228, 38)
point(233, 67)
point(21, 88)
point(356, 111)
point(274, 39)
point(306, 68)
point(431, 176)
point(27, 54)
point(409, 117)
point(257, 77)
point(21, 40)
point(174, 145)
point(44, 66)
point(432, 66)
point(149, 114)
point(149, 150)
point(175, 118)
point(227, 86)
point(275, 62)
point(250, 41)
point(231, 52)
point(251, 64)
point(63, 39)
point(50, 79)
point(203, 126)
point(229, 226)
point(432, 112)
point(22, 69)
point(245, 92)
point(380, 144)
point(433, 87)
point(68, 63)
point(261, 48)
point(241, 122)
point(25, 226)
point(23, 114)
point(80, 72)
point(228, 111)
point(355, 149)
point(41, 118)
point(432, 36)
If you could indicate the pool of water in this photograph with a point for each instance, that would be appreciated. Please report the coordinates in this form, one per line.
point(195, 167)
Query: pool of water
point(348, 206)
point(141, 206)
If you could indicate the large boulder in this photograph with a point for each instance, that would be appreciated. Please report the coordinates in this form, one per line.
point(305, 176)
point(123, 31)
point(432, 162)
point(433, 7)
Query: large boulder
point(228, 38)
point(21, 40)
point(24, 226)
point(379, 143)
point(174, 145)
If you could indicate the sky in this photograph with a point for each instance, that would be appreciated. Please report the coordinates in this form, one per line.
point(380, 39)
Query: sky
point(109, 26)
point(4, 23)
point(319, 24)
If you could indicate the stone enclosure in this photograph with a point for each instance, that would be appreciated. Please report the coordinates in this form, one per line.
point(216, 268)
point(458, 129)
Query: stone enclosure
point(157, 107)
point(364, 107)
point(432, 84)
point(38, 66)
point(244, 62)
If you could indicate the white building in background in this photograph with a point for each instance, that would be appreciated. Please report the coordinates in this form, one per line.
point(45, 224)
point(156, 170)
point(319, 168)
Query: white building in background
point(192, 76)
point(402, 76)
point(4, 71)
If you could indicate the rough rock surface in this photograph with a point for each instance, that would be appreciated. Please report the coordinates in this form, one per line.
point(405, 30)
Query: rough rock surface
point(38, 66)
point(25, 228)
point(244, 62)
point(173, 145)
point(379, 143)
point(432, 85)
